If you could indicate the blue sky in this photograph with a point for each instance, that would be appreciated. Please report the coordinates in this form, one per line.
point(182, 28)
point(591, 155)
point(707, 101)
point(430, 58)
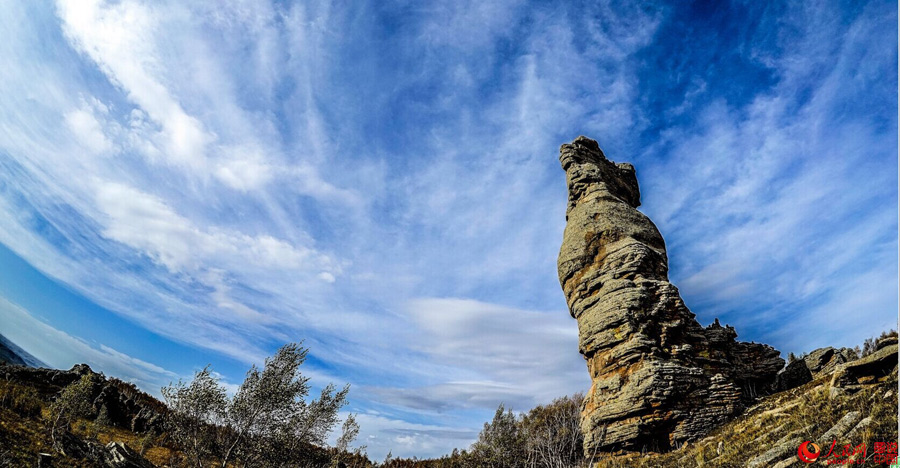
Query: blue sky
point(192, 184)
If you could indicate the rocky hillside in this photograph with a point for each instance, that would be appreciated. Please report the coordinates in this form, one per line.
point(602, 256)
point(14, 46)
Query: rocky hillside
point(110, 423)
point(658, 378)
point(122, 402)
point(846, 406)
point(834, 398)
point(128, 415)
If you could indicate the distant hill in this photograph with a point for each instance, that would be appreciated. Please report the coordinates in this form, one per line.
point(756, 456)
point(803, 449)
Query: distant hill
point(13, 354)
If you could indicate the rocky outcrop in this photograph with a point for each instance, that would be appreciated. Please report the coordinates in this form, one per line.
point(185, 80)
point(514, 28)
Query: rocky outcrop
point(885, 341)
point(767, 434)
point(128, 407)
point(824, 361)
point(125, 405)
point(119, 455)
point(794, 375)
point(47, 382)
point(658, 377)
point(867, 370)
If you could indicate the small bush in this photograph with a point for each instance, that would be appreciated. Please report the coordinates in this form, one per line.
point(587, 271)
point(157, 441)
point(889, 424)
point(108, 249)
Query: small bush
point(73, 403)
point(22, 400)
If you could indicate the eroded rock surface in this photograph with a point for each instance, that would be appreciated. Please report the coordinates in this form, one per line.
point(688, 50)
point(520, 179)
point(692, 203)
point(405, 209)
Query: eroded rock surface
point(824, 361)
point(658, 377)
point(867, 370)
point(794, 375)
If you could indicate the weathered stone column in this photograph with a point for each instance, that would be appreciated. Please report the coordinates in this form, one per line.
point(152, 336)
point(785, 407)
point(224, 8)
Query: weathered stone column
point(658, 378)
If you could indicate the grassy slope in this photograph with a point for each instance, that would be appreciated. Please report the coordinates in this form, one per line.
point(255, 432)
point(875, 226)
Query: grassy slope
point(806, 412)
point(24, 431)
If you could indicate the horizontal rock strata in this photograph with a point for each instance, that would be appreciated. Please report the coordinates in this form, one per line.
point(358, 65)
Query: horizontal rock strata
point(658, 377)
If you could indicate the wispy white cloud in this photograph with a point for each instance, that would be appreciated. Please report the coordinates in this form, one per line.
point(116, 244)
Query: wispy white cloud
point(121, 39)
point(240, 175)
point(145, 223)
point(481, 354)
point(88, 129)
point(765, 203)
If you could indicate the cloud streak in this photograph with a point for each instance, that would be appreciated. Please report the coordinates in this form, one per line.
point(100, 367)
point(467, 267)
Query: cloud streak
point(380, 180)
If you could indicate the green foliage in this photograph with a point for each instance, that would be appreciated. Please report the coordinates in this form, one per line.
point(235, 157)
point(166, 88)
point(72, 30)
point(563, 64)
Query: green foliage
point(101, 422)
point(871, 344)
point(502, 442)
point(102, 419)
point(268, 422)
point(147, 440)
point(349, 431)
point(868, 346)
point(547, 436)
point(72, 403)
point(195, 406)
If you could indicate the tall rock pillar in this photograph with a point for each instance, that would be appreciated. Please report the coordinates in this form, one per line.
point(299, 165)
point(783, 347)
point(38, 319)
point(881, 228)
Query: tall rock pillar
point(658, 378)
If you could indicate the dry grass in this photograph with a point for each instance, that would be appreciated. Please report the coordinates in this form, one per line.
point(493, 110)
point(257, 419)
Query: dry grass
point(24, 432)
point(155, 451)
point(806, 412)
point(22, 438)
point(20, 399)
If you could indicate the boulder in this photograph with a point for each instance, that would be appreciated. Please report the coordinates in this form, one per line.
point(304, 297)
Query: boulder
point(119, 455)
point(824, 361)
point(818, 358)
point(44, 460)
point(842, 427)
point(794, 375)
point(111, 455)
point(658, 378)
point(779, 451)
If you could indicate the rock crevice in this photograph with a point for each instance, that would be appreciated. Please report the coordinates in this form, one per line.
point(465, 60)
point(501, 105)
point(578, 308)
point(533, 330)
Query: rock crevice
point(658, 377)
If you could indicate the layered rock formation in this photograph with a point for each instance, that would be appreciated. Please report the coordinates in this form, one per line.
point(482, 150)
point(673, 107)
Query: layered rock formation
point(853, 402)
point(876, 367)
point(822, 361)
point(658, 378)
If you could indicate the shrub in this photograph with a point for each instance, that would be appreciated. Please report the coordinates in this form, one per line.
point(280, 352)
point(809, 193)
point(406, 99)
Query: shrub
point(72, 403)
